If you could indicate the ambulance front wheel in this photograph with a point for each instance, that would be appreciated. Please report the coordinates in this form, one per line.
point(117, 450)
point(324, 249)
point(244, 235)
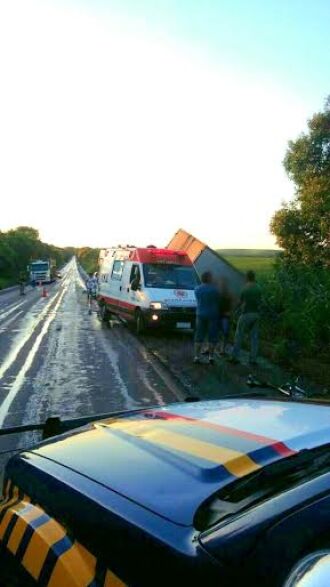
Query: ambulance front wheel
point(139, 323)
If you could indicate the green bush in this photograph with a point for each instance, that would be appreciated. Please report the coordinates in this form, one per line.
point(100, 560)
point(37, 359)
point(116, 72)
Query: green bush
point(297, 309)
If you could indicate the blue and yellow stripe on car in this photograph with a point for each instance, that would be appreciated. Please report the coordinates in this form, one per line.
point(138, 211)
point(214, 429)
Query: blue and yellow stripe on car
point(42, 546)
point(236, 453)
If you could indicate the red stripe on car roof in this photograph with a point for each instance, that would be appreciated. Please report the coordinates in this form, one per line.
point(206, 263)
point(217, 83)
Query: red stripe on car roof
point(277, 445)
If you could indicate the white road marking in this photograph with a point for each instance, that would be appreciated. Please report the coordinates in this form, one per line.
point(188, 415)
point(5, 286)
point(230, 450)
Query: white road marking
point(32, 323)
point(7, 322)
point(158, 398)
point(4, 315)
point(29, 360)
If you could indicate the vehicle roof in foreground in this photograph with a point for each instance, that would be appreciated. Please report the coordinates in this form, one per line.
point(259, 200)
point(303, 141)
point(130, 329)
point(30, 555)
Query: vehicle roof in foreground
point(171, 459)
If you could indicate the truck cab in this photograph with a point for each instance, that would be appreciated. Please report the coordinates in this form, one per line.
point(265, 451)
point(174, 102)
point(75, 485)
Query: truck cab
point(40, 272)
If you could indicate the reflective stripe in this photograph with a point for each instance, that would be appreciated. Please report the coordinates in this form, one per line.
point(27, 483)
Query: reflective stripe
point(43, 538)
point(5, 522)
point(74, 568)
point(237, 463)
point(111, 580)
point(25, 517)
point(9, 514)
point(7, 489)
point(279, 446)
point(10, 501)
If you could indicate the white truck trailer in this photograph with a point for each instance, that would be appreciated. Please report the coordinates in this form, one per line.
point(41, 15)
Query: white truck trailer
point(206, 259)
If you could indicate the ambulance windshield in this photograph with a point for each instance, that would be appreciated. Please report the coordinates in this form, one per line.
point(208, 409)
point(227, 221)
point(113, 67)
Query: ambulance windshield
point(169, 276)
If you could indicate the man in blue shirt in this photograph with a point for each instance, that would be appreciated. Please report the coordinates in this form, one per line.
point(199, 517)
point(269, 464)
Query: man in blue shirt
point(207, 316)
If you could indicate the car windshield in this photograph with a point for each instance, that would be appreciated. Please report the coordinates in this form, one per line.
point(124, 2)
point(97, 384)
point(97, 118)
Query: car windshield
point(169, 276)
point(39, 267)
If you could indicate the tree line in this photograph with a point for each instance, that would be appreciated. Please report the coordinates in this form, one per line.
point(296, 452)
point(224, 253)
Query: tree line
point(298, 292)
point(20, 246)
point(88, 258)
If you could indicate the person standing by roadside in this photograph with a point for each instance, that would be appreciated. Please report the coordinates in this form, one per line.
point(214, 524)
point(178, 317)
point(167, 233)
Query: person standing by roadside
point(225, 309)
point(207, 316)
point(22, 283)
point(249, 320)
point(91, 286)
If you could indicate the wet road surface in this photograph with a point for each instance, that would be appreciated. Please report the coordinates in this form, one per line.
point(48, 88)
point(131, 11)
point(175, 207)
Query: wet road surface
point(57, 359)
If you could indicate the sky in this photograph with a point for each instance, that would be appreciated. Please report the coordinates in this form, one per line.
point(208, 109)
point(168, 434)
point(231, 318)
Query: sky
point(124, 120)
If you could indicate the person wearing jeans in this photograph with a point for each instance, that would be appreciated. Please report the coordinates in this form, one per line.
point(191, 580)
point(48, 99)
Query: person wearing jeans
point(207, 316)
point(248, 322)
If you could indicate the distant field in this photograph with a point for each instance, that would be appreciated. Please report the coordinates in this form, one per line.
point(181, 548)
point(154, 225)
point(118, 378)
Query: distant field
point(260, 261)
point(248, 252)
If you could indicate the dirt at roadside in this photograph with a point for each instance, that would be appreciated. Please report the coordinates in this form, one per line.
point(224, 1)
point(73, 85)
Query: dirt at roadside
point(222, 378)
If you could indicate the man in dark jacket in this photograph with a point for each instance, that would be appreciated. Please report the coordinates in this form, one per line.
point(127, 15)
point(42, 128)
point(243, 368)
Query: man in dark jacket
point(249, 319)
point(207, 316)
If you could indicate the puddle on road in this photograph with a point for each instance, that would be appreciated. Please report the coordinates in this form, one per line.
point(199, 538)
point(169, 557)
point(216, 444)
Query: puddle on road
point(20, 377)
point(28, 326)
point(74, 367)
point(113, 356)
point(60, 385)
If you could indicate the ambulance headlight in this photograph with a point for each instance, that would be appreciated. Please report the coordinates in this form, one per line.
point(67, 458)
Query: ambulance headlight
point(158, 306)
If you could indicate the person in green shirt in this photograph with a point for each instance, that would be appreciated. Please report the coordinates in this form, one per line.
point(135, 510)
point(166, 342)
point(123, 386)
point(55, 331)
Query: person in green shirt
point(250, 303)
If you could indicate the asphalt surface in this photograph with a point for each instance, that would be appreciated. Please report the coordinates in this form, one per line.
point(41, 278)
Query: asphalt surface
point(58, 359)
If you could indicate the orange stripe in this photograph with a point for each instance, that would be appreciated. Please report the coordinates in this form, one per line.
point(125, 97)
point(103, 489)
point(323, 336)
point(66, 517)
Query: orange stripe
point(277, 445)
point(75, 568)
point(42, 540)
point(9, 514)
point(5, 522)
point(7, 489)
point(10, 501)
point(237, 463)
point(17, 534)
point(111, 580)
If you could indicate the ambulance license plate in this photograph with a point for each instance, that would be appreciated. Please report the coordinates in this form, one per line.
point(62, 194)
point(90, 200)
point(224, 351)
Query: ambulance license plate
point(183, 325)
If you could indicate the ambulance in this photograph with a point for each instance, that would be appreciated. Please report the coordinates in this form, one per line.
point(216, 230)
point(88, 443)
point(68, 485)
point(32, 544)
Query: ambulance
point(148, 287)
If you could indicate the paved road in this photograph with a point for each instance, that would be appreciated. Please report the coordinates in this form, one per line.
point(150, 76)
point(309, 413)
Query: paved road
point(57, 359)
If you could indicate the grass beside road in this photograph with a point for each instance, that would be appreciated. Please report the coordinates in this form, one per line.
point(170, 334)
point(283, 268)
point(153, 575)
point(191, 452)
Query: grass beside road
point(6, 282)
point(260, 261)
point(295, 324)
point(263, 266)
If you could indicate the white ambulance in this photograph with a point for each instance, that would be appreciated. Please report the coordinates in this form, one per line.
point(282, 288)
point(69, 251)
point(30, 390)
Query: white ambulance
point(147, 286)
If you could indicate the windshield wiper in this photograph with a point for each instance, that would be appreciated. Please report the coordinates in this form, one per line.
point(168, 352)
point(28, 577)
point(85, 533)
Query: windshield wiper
point(271, 479)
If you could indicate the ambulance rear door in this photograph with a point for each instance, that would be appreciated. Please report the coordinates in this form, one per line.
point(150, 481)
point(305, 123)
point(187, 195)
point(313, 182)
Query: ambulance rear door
point(115, 282)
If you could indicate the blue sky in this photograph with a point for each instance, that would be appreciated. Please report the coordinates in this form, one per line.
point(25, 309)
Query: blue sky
point(147, 116)
point(287, 40)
